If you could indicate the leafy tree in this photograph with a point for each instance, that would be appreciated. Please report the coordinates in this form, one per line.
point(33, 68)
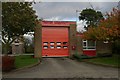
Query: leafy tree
point(28, 44)
point(18, 18)
point(91, 16)
point(108, 28)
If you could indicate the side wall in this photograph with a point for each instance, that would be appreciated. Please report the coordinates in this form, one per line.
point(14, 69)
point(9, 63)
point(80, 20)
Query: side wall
point(102, 47)
point(79, 46)
point(72, 39)
point(38, 41)
point(18, 49)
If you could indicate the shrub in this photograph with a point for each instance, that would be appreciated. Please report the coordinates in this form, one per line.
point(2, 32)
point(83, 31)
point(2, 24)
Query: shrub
point(8, 63)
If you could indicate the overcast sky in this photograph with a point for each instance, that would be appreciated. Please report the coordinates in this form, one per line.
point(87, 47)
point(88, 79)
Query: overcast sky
point(67, 10)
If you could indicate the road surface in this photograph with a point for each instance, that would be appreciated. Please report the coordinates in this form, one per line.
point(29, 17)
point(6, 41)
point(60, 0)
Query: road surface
point(64, 68)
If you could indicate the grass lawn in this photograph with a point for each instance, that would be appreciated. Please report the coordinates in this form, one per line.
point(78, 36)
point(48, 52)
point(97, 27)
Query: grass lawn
point(24, 60)
point(111, 61)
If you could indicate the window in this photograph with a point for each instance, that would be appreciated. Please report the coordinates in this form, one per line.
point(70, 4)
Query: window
point(89, 44)
point(84, 43)
point(52, 43)
point(105, 42)
point(58, 43)
point(17, 44)
point(58, 47)
point(52, 47)
point(64, 43)
point(45, 47)
point(45, 43)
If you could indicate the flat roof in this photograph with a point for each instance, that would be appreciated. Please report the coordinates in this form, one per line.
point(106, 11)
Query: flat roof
point(57, 23)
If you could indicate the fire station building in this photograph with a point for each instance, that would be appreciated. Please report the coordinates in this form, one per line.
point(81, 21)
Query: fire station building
point(60, 39)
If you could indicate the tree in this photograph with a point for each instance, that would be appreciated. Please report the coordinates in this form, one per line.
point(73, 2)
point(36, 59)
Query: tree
point(18, 18)
point(91, 16)
point(28, 44)
point(108, 28)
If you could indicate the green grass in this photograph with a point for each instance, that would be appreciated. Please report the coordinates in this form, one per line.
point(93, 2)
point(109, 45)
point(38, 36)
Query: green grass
point(24, 60)
point(110, 61)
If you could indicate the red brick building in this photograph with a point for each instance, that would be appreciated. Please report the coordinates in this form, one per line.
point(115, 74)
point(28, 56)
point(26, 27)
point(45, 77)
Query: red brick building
point(60, 39)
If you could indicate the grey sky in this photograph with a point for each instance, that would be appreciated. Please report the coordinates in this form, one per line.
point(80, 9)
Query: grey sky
point(67, 10)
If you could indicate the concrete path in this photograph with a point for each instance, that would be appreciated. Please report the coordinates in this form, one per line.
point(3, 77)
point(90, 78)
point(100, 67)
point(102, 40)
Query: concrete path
point(64, 68)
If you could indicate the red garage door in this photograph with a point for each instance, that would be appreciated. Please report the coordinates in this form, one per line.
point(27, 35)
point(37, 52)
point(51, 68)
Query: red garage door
point(55, 41)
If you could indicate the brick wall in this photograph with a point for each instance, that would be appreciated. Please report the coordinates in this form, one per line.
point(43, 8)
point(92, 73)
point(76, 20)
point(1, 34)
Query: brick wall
point(17, 48)
point(79, 45)
point(72, 39)
point(102, 47)
point(38, 41)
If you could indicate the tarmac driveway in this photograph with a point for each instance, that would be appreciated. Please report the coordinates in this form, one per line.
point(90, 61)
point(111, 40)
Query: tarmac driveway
point(64, 68)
